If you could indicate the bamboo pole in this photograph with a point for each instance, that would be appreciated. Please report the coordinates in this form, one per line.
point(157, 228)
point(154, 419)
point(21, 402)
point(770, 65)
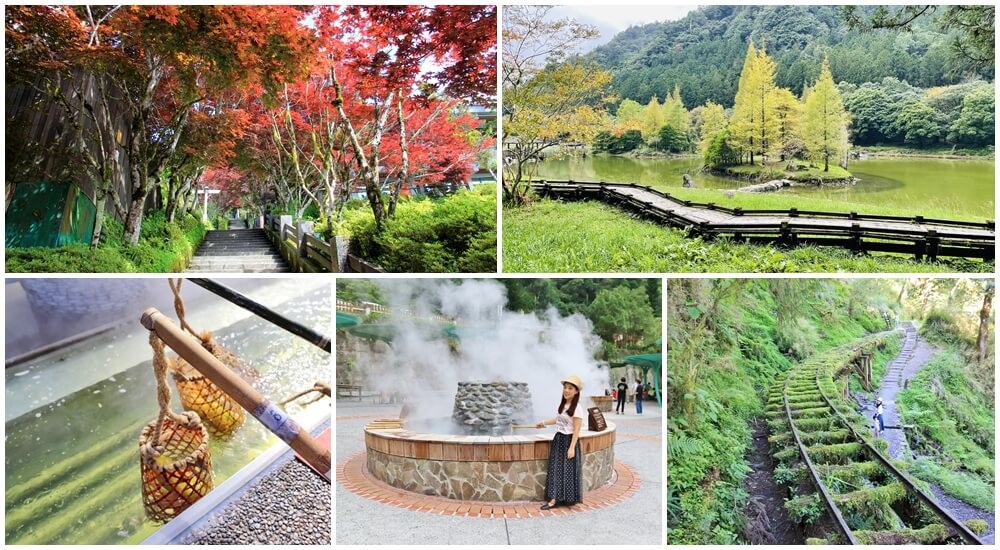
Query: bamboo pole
point(267, 313)
point(266, 412)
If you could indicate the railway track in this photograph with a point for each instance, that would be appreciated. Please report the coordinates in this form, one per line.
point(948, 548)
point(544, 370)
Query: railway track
point(844, 486)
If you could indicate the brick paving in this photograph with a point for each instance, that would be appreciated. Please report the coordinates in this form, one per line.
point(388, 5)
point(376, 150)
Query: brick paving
point(369, 511)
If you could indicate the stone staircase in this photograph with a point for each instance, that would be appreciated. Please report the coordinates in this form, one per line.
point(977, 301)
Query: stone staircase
point(894, 373)
point(237, 250)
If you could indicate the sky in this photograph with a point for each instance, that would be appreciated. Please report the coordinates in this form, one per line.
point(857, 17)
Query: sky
point(611, 20)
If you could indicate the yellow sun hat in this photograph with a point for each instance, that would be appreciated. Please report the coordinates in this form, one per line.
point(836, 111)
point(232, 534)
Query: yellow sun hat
point(573, 379)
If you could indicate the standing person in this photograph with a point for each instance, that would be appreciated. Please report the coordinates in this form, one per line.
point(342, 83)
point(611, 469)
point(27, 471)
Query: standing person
point(622, 394)
point(638, 397)
point(564, 482)
point(879, 419)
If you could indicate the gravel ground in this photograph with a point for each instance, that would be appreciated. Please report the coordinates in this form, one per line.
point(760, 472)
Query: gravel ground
point(291, 505)
point(964, 512)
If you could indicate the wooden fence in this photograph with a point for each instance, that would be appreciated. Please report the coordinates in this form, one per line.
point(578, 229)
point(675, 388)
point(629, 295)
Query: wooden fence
point(916, 235)
point(304, 252)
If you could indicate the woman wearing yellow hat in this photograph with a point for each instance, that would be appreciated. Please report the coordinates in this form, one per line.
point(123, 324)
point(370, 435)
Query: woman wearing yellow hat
point(564, 483)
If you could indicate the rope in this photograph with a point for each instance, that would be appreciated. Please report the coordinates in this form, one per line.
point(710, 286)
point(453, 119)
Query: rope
point(160, 367)
point(323, 389)
point(175, 286)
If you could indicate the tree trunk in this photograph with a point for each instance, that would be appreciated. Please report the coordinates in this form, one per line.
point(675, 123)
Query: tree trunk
point(984, 322)
point(133, 222)
point(98, 218)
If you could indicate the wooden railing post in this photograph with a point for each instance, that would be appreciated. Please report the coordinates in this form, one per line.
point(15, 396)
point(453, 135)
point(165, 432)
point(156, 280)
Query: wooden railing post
point(305, 228)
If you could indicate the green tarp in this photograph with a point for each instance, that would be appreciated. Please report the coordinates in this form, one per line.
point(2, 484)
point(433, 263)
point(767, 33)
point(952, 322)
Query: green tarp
point(345, 320)
point(48, 214)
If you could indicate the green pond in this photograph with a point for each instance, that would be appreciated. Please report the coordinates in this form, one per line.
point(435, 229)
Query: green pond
point(964, 188)
point(72, 463)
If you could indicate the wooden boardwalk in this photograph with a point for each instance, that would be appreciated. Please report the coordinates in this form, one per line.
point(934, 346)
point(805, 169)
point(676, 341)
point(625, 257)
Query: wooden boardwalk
point(919, 236)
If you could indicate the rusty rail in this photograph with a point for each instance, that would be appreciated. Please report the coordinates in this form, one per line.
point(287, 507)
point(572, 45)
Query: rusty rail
point(957, 526)
point(827, 499)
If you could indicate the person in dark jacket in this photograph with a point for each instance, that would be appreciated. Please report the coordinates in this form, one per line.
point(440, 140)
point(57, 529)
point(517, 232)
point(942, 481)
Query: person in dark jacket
point(639, 391)
point(622, 393)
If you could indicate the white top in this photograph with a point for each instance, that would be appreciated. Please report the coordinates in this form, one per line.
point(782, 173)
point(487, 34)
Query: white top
point(564, 422)
point(878, 409)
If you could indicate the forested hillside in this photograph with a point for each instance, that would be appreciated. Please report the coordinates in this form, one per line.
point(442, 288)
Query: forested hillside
point(703, 53)
point(728, 339)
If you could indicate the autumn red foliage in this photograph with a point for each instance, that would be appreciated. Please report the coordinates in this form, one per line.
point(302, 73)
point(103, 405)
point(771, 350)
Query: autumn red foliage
point(277, 105)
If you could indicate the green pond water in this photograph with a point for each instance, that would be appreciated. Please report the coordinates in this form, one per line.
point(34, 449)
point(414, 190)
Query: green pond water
point(72, 464)
point(965, 188)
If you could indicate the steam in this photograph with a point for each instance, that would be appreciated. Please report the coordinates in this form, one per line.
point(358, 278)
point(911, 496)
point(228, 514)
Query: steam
point(494, 344)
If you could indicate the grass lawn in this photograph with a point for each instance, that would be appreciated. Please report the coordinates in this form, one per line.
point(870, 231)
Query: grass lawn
point(553, 237)
point(782, 201)
point(930, 152)
point(777, 170)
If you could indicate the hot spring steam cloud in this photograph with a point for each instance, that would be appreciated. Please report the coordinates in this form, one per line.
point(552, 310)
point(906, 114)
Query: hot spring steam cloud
point(493, 345)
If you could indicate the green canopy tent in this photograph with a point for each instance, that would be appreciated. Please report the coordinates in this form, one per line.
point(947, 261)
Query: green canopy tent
point(647, 362)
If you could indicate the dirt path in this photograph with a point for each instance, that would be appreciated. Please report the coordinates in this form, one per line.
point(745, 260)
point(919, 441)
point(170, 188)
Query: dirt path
point(767, 520)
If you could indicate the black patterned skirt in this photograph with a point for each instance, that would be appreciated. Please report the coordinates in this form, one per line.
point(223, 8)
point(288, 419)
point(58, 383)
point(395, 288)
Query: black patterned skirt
point(565, 478)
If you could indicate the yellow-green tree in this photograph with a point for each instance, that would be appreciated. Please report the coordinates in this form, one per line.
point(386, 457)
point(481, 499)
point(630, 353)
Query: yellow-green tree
point(713, 121)
point(547, 101)
point(628, 116)
point(674, 113)
point(824, 126)
point(789, 113)
point(652, 118)
point(755, 126)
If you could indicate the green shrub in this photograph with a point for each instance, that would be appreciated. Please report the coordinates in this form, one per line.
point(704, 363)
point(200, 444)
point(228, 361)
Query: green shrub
point(162, 248)
point(72, 258)
point(606, 142)
point(453, 234)
point(721, 153)
point(671, 139)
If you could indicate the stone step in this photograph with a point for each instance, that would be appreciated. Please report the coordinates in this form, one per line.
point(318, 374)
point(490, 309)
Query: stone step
point(236, 251)
point(240, 269)
point(222, 262)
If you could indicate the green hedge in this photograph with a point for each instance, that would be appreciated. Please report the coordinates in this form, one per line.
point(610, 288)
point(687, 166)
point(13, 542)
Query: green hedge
point(456, 234)
point(163, 248)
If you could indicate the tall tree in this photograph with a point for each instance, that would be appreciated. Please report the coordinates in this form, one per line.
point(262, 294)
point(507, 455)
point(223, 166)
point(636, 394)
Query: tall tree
point(652, 118)
point(982, 339)
point(788, 111)
point(825, 120)
point(674, 113)
point(755, 125)
point(390, 58)
point(546, 101)
point(713, 121)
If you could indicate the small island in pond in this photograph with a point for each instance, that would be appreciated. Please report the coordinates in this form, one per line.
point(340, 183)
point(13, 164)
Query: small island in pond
point(812, 108)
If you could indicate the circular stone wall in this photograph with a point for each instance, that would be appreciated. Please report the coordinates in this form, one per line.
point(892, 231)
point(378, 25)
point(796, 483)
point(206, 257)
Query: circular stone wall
point(480, 468)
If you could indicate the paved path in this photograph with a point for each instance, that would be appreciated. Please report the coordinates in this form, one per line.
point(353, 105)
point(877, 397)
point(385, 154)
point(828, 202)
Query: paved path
point(912, 357)
point(915, 235)
point(639, 444)
point(237, 250)
point(914, 354)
